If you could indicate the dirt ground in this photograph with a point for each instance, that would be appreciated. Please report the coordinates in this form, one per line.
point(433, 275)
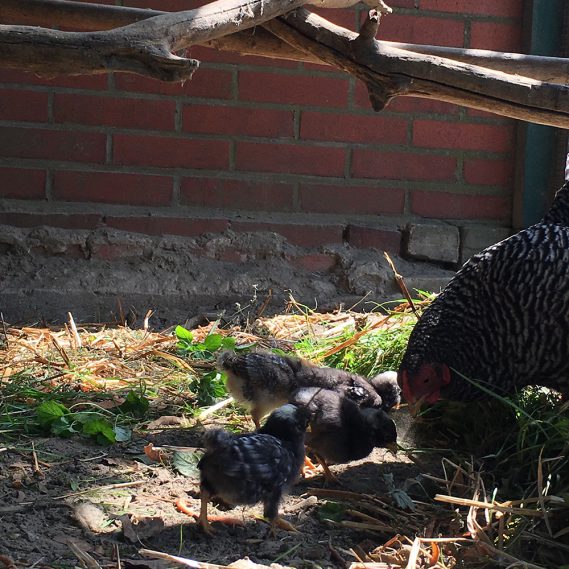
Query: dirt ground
point(67, 503)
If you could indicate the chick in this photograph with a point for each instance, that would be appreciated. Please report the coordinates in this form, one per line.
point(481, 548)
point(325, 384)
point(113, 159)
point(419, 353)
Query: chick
point(340, 431)
point(251, 468)
point(263, 381)
point(386, 386)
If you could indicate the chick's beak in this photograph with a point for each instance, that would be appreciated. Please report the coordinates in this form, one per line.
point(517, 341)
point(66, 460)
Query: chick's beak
point(391, 447)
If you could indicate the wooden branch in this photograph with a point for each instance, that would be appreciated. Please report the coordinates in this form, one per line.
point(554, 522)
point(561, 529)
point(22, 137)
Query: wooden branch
point(89, 17)
point(145, 47)
point(389, 72)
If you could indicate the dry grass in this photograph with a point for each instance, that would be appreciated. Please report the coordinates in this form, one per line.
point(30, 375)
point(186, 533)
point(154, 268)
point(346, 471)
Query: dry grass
point(465, 525)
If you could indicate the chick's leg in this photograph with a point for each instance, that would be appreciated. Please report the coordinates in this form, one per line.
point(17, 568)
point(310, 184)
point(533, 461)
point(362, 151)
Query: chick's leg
point(328, 474)
point(256, 416)
point(270, 513)
point(202, 520)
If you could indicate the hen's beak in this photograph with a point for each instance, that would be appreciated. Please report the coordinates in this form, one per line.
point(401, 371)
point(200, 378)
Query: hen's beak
point(391, 447)
point(415, 406)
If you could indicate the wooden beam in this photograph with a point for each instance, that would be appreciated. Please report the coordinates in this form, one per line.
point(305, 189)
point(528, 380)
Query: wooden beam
point(88, 17)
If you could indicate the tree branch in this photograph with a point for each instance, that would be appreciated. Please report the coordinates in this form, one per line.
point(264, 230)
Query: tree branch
point(88, 17)
point(389, 72)
point(145, 47)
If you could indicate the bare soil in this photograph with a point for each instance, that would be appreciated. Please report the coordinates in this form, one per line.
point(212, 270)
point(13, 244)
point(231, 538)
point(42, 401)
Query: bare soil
point(68, 503)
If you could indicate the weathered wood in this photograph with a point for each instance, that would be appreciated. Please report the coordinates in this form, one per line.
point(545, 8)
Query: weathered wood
point(89, 17)
point(389, 72)
point(145, 47)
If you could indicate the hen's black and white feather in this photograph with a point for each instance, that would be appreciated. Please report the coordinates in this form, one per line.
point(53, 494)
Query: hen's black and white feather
point(504, 318)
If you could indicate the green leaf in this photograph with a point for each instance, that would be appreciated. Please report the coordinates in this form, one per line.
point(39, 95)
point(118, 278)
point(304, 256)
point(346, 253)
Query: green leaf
point(101, 429)
point(49, 411)
point(228, 343)
point(134, 403)
point(122, 434)
point(183, 334)
point(213, 342)
point(186, 463)
point(331, 511)
point(63, 426)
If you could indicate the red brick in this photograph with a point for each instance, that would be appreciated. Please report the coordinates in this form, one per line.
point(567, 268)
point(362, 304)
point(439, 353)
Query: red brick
point(19, 183)
point(423, 30)
point(112, 251)
point(496, 36)
point(402, 165)
point(52, 145)
point(443, 205)
point(353, 128)
point(16, 105)
point(66, 221)
point(210, 83)
point(237, 194)
point(289, 158)
point(128, 113)
point(316, 198)
point(314, 262)
point(74, 81)
point(491, 172)
point(238, 121)
point(502, 8)
point(297, 234)
point(112, 187)
point(346, 18)
point(188, 227)
point(373, 238)
point(460, 135)
point(292, 89)
point(170, 152)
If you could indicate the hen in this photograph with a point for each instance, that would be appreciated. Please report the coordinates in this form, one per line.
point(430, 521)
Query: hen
point(251, 468)
point(340, 431)
point(263, 381)
point(503, 320)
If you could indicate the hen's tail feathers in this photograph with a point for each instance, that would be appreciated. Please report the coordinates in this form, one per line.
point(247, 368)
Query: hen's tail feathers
point(215, 438)
point(558, 213)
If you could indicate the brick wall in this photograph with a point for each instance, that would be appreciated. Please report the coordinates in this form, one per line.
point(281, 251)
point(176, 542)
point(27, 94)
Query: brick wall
point(254, 144)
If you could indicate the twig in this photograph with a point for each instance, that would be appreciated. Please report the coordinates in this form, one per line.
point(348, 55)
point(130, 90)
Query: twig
point(401, 284)
point(76, 336)
point(179, 560)
point(146, 319)
point(61, 351)
point(214, 408)
point(488, 505)
point(540, 492)
point(103, 488)
point(37, 469)
point(4, 328)
point(85, 559)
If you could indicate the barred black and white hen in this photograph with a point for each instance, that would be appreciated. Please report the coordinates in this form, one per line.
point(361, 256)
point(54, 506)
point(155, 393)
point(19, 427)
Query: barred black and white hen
point(257, 467)
point(262, 381)
point(503, 320)
point(340, 430)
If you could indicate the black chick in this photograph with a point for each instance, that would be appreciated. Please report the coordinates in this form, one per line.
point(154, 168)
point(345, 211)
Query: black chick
point(386, 386)
point(340, 431)
point(251, 468)
point(263, 381)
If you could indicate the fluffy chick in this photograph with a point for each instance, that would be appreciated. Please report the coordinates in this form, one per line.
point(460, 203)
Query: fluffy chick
point(251, 468)
point(340, 431)
point(386, 386)
point(262, 381)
